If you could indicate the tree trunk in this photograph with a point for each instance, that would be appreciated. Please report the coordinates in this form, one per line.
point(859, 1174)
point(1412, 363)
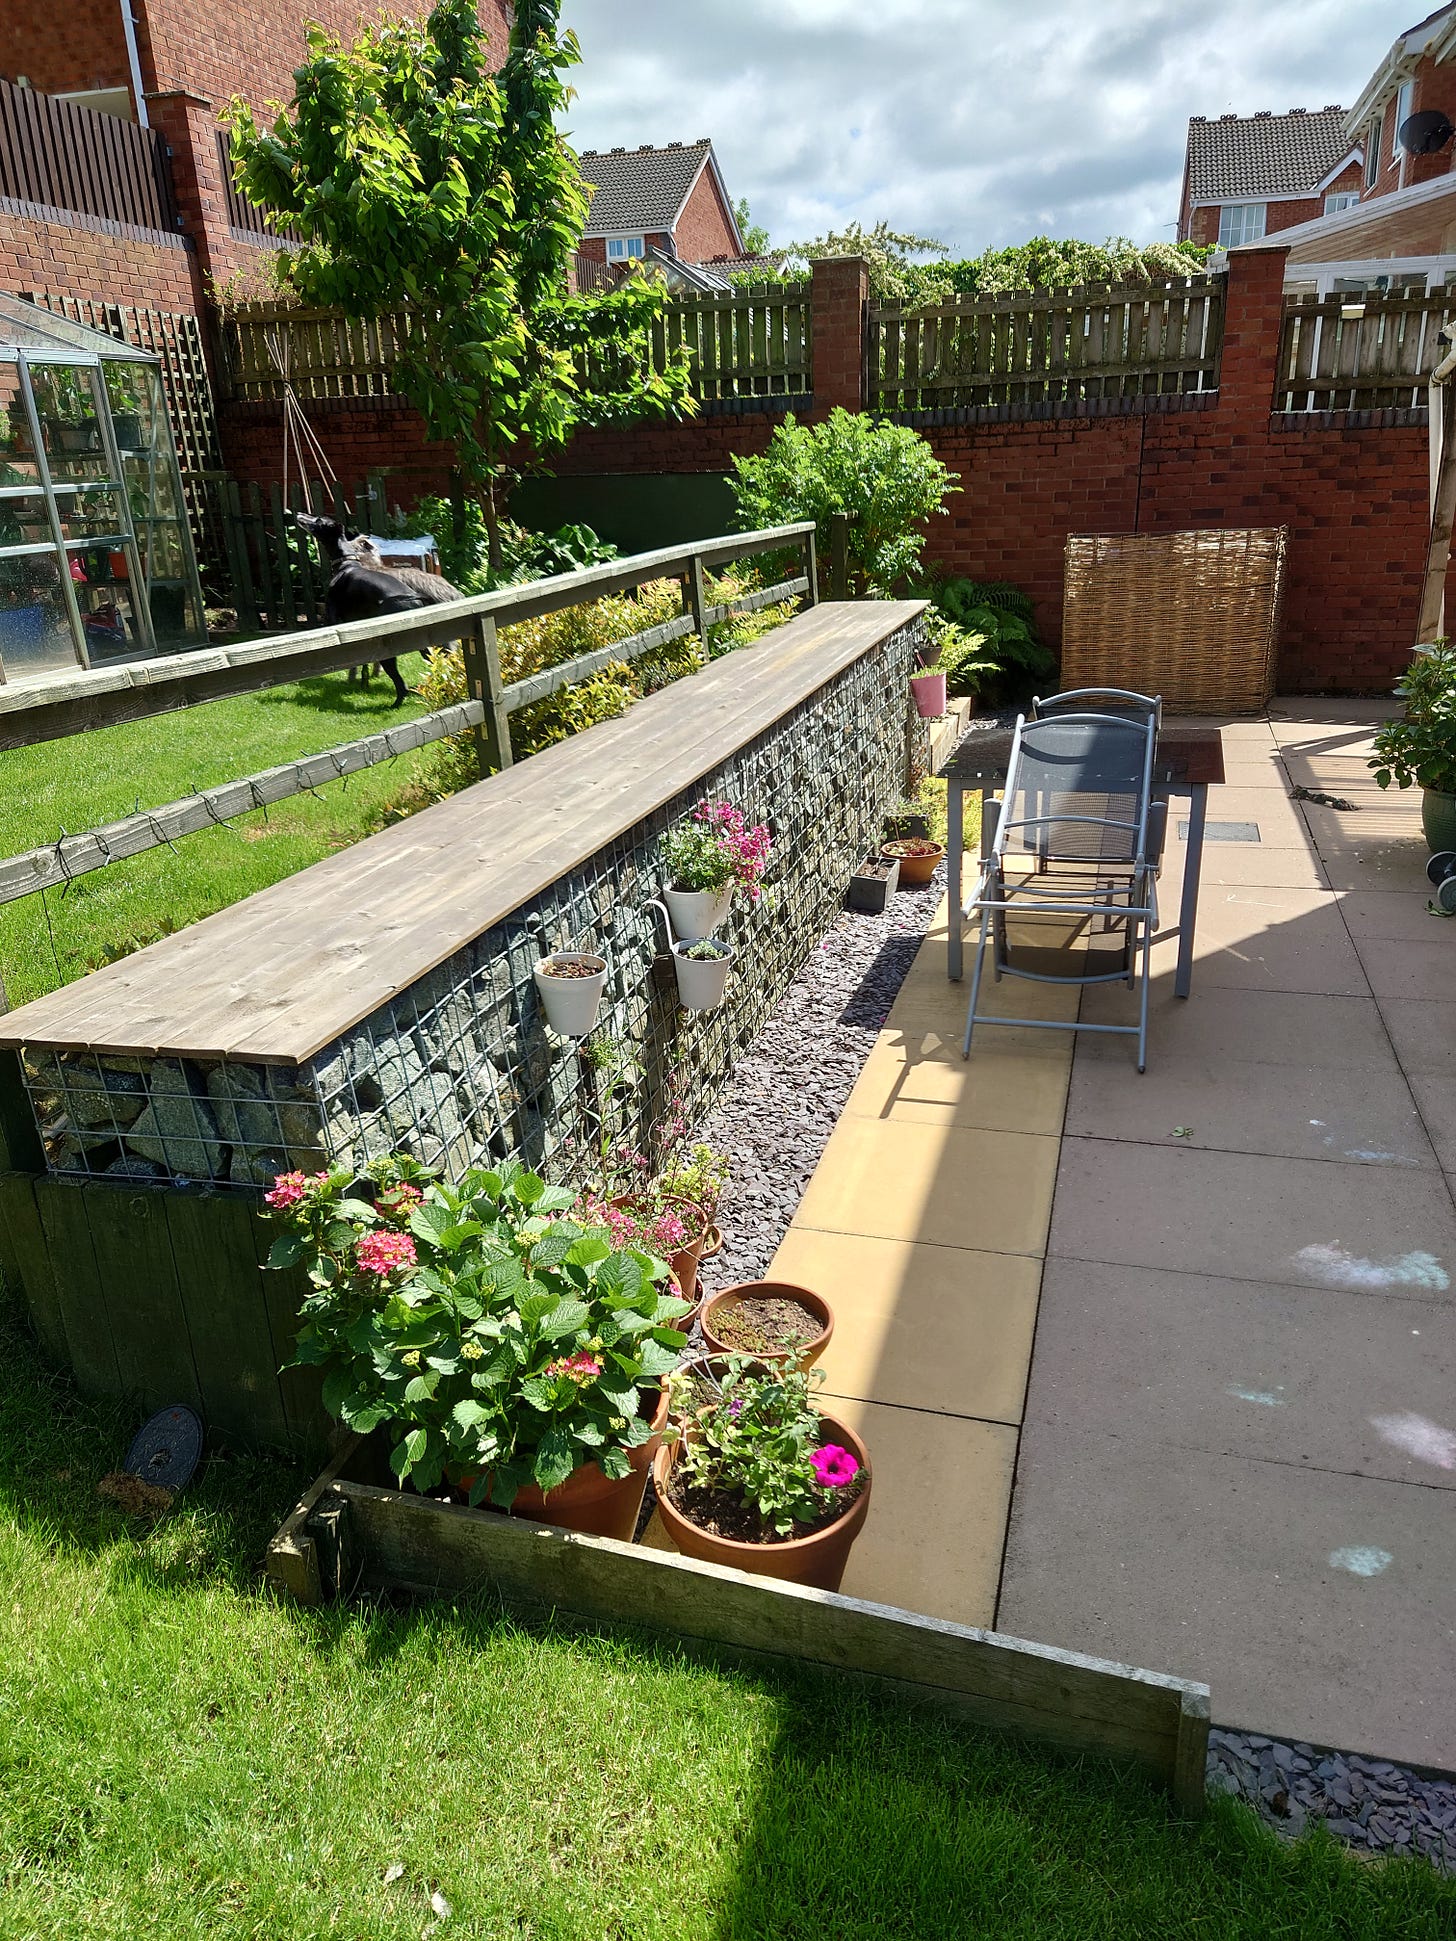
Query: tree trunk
point(492, 525)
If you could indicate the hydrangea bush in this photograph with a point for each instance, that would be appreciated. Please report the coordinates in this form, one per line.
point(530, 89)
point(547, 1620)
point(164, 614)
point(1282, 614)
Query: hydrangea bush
point(501, 1340)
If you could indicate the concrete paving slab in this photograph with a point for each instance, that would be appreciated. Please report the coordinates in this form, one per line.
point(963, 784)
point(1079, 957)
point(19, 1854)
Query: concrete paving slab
point(1423, 1032)
point(1389, 913)
point(1435, 1099)
point(945, 1185)
point(1372, 1230)
point(1269, 937)
point(1412, 967)
point(1379, 822)
point(1310, 1377)
point(1294, 867)
point(1281, 825)
point(924, 1077)
point(933, 1538)
point(1247, 1574)
point(1312, 712)
point(1250, 768)
point(1381, 866)
point(1258, 1026)
point(1229, 1105)
point(1345, 775)
point(937, 1328)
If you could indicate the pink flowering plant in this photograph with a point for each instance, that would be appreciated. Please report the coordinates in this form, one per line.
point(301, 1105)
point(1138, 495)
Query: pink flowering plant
point(497, 1337)
point(758, 1438)
point(717, 849)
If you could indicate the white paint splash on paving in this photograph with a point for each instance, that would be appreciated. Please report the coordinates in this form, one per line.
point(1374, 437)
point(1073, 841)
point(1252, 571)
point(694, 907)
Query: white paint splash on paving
point(1267, 1398)
point(1415, 1435)
point(1337, 1267)
point(1376, 1158)
point(1361, 1560)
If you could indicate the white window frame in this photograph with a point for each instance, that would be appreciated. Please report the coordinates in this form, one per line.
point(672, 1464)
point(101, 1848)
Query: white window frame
point(1339, 199)
point(626, 249)
point(1252, 225)
point(1405, 101)
point(1372, 149)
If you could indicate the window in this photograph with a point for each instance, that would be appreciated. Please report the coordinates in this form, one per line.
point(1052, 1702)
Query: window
point(1240, 222)
point(1405, 102)
point(1339, 199)
point(1372, 149)
point(621, 248)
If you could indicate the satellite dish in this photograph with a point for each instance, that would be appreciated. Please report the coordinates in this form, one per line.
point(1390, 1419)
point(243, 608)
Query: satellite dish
point(1426, 133)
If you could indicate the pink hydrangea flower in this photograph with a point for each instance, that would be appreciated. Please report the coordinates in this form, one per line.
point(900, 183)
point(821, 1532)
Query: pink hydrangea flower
point(834, 1466)
point(400, 1201)
point(385, 1253)
point(289, 1188)
point(581, 1368)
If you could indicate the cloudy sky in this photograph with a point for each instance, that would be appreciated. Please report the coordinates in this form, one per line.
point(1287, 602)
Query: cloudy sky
point(978, 121)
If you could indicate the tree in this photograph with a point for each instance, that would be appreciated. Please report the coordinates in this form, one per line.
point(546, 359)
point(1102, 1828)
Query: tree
point(422, 182)
point(1047, 263)
point(894, 278)
point(755, 236)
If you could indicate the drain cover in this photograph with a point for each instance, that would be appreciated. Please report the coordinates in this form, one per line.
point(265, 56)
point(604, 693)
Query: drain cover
point(166, 1449)
point(1224, 831)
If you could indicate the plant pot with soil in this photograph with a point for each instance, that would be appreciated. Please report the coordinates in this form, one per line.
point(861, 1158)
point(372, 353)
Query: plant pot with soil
point(917, 857)
point(709, 857)
point(756, 1478)
point(699, 1175)
point(702, 973)
point(570, 984)
point(1419, 751)
point(929, 692)
point(873, 884)
point(525, 1348)
point(774, 1321)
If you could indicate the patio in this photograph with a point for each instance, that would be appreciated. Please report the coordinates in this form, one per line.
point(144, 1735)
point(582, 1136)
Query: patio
point(1159, 1368)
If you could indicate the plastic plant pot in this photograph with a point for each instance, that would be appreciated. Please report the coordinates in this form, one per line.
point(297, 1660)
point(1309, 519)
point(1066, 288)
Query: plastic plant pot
point(930, 695)
point(702, 981)
point(697, 913)
point(1438, 820)
point(873, 884)
point(571, 1001)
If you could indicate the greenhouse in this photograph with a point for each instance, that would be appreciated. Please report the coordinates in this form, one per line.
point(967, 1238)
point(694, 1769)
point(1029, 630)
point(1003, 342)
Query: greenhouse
point(96, 559)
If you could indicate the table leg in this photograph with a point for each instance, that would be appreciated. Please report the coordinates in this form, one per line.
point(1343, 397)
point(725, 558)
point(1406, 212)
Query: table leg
point(1192, 871)
point(955, 803)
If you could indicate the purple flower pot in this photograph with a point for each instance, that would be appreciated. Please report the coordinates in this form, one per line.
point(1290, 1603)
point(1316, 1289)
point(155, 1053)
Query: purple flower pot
point(929, 692)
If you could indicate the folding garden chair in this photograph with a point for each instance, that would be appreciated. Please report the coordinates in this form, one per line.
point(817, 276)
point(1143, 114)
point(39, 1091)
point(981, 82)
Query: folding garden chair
point(1076, 834)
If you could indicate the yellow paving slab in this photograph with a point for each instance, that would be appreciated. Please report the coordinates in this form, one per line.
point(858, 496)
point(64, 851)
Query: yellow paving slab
point(939, 1328)
point(927, 997)
point(920, 1075)
point(947, 1185)
point(937, 1523)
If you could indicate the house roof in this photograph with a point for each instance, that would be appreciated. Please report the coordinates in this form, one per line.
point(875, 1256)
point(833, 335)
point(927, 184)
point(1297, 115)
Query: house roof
point(1263, 155)
point(640, 189)
point(1436, 35)
point(1418, 220)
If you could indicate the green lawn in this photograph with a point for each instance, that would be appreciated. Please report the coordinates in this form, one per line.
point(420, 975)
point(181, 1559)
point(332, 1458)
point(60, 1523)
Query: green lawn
point(98, 777)
point(181, 1755)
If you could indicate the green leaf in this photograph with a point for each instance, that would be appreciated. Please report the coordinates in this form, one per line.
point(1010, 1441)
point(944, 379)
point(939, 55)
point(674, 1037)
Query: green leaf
point(338, 1390)
point(287, 1250)
point(530, 1188)
point(588, 1250)
point(556, 1458)
point(567, 1317)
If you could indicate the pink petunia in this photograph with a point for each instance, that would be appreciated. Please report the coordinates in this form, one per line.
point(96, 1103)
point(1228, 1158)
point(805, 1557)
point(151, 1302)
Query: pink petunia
point(385, 1253)
point(834, 1466)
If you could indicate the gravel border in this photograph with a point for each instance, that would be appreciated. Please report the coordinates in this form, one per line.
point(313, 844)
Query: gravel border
point(784, 1099)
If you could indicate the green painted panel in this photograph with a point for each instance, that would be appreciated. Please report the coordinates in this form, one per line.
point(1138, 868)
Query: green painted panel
point(638, 512)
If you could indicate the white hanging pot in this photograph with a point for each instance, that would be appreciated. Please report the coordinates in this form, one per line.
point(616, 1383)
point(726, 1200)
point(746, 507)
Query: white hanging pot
point(697, 913)
point(571, 1000)
point(701, 981)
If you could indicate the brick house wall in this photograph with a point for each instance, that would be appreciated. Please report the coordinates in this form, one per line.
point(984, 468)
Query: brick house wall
point(93, 259)
point(705, 228)
point(1278, 215)
point(65, 47)
point(1435, 88)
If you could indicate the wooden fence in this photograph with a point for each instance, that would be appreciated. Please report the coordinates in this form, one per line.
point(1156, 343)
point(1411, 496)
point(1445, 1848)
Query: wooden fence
point(1360, 352)
point(277, 578)
point(63, 156)
point(744, 343)
point(244, 216)
point(1048, 346)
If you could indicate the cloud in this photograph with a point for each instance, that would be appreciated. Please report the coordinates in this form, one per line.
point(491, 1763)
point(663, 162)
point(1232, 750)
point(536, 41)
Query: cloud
point(978, 121)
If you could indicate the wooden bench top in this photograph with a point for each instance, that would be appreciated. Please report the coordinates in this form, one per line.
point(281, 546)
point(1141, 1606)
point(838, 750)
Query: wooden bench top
point(1184, 756)
point(277, 977)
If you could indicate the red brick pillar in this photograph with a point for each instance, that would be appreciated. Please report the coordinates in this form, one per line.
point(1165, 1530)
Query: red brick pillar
point(189, 125)
point(1253, 321)
point(841, 322)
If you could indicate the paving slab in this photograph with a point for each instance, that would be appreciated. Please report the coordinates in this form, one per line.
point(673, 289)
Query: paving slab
point(1389, 913)
point(1311, 1377)
point(922, 1076)
point(1423, 1033)
point(1435, 1100)
point(1367, 1229)
point(1269, 937)
point(1240, 1105)
point(1247, 1574)
point(1381, 822)
point(1278, 818)
point(1259, 1026)
point(932, 1328)
point(1412, 967)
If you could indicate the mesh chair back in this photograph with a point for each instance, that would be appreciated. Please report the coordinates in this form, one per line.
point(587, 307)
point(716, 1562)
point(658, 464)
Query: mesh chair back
point(1078, 789)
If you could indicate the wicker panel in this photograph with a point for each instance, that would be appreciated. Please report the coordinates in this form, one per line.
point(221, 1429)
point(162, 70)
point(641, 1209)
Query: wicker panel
point(1193, 616)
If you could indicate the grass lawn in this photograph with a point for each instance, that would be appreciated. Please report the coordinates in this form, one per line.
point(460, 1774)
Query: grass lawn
point(180, 1755)
point(98, 777)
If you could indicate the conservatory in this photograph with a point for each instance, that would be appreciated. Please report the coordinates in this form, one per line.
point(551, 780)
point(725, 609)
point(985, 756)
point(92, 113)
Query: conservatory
point(96, 559)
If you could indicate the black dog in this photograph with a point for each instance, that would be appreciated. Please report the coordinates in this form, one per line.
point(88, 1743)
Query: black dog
point(356, 591)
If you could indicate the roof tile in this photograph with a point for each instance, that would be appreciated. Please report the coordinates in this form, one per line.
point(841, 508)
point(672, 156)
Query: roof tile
point(1263, 155)
point(640, 189)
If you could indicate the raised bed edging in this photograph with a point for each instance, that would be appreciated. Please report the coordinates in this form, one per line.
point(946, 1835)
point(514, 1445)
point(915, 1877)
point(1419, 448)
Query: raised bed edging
point(348, 1533)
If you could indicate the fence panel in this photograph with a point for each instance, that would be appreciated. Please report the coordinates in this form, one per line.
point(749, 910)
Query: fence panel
point(64, 156)
point(1041, 347)
point(244, 215)
point(1360, 352)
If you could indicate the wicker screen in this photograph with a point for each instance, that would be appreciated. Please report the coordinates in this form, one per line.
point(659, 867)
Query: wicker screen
point(1193, 616)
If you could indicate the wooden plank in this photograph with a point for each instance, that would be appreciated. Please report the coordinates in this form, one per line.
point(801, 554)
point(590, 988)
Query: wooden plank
point(25, 1254)
point(79, 1292)
point(20, 1146)
point(1060, 1697)
point(225, 1306)
point(344, 935)
point(138, 1280)
point(300, 1389)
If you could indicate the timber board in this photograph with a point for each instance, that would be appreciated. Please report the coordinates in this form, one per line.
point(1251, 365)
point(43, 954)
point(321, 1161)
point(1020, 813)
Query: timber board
point(276, 978)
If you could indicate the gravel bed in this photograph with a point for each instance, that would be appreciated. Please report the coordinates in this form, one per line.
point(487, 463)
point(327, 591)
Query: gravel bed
point(1369, 1803)
point(790, 1087)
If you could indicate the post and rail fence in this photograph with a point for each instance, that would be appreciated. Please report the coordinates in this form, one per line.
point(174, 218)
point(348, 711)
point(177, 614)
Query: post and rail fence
point(1359, 351)
point(58, 155)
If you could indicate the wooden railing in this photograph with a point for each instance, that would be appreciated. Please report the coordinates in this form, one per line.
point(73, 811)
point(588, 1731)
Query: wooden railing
point(1360, 353)
point(1041, 347)
point(61, 156)
point(747, 343)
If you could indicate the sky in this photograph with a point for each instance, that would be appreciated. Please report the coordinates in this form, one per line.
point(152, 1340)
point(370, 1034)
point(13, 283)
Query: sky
point(980, 122)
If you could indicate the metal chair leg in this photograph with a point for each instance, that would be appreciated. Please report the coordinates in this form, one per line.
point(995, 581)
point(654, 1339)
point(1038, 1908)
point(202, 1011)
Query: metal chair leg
point(976, 983)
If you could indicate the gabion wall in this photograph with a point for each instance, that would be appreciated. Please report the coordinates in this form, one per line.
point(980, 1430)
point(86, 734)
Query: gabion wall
point(461, 1067)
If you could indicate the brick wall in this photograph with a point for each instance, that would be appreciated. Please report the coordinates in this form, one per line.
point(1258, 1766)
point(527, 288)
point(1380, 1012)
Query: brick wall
point(100, 260)
point(64, 48)
point(705, 227)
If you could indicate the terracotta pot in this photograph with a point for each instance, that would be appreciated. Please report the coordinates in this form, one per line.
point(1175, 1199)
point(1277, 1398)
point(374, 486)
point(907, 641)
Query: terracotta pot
point(915, 871)
point(818, 1560)
point(712, 1244)
point(684, 1262)
point(718, 1304)
point(595, 1504)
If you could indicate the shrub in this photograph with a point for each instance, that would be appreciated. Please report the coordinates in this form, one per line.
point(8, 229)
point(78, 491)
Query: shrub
point(884, 476)
point(1420, 750)
point(715, 849)
point(996, 640)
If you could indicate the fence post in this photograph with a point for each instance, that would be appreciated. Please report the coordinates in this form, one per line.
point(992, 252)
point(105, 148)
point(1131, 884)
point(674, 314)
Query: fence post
point(839, 556)
point(696, 600)
point(811, 569)
point(481, 651)
point(840, 326)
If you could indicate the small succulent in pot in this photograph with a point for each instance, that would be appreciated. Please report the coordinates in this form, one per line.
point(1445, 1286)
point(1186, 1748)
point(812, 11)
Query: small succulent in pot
point(702, 972)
